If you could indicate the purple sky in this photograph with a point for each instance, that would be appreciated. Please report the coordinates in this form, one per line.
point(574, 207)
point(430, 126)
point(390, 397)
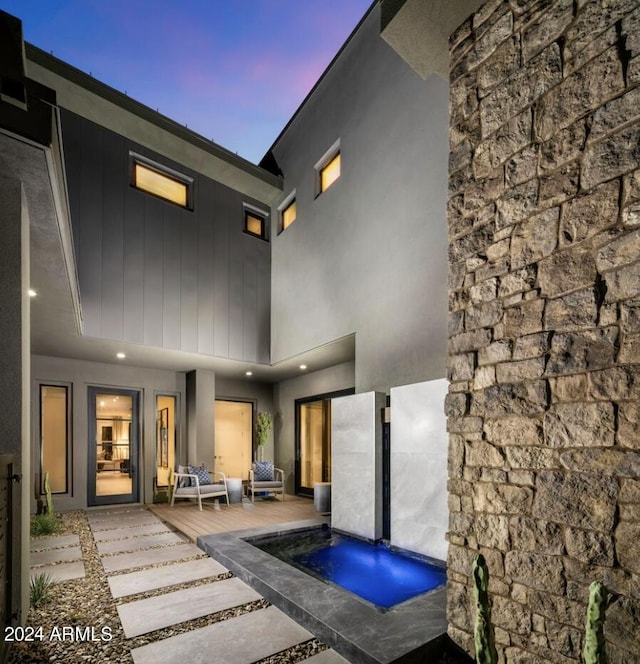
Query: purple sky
point(232, 70)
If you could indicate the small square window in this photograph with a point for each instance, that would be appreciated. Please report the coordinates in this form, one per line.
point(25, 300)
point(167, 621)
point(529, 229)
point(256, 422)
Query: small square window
point(254, 224)
point(163, 183)
point(330, 172)
point(289, 214)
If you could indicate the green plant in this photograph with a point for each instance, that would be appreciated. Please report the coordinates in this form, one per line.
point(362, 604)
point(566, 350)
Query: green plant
point(47, 490)
point(594, 648)
point(44, 524)
point(483, 633)
point(40, 589)
point(264, 423)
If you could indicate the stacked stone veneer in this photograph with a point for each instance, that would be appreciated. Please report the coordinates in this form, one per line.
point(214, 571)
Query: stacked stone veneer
point(544, 324)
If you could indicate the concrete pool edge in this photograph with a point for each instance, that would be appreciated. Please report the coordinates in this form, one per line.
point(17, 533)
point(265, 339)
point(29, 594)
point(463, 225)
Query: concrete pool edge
point(362, 634)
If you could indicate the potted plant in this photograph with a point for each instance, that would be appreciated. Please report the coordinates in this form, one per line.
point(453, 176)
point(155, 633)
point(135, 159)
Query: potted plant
point(264, 423)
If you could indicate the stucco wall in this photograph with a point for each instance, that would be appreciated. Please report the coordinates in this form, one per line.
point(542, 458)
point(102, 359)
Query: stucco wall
point(544, 256)
point(368, 255)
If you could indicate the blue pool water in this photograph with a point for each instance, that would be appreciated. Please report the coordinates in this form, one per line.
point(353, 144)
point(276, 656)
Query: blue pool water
point(372, 571)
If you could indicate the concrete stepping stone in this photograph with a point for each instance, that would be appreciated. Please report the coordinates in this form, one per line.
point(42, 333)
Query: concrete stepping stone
point(50, 556)
point(327, 657)
point(54, 542)
point(241, 640)
point(161, 577)
point(151, 529)
point(114, 511)
point(148, 615)
point(145, 557)
point(135, 543)
point(116, 514)
point(141, 519)
point(61, 572)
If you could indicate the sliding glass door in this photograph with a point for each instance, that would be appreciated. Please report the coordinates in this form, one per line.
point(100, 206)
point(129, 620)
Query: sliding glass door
point(313, 441)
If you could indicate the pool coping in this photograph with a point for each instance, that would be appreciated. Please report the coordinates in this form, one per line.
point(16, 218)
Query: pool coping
point(357, 630)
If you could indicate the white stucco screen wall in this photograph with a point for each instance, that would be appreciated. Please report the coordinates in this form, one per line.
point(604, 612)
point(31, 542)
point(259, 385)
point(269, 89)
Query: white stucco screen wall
point(356, 464)
point(419, 509)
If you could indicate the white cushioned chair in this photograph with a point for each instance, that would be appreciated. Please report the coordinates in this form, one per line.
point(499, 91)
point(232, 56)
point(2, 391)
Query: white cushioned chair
point(194, 489)
point(259, 482)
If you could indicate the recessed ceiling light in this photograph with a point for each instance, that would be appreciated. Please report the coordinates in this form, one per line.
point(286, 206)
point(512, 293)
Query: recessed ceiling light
point(303, 366)
point(120, 356)
point(31, 292)
point(248, 373)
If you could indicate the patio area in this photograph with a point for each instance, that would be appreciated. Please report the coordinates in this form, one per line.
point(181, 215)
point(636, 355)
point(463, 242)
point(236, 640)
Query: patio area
point(185, 517)
point(361, 632)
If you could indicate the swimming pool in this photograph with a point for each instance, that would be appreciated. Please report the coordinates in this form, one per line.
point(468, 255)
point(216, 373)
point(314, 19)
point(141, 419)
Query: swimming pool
point(362, 632)
point(381, 575)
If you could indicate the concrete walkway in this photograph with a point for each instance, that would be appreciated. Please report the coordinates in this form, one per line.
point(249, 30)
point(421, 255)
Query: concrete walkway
point(141, 555)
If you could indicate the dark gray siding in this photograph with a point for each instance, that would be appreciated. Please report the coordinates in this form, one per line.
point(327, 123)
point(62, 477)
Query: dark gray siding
point(153, 273)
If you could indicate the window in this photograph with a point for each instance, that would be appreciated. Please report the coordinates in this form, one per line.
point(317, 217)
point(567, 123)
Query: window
point(161, 181)
point(330, 173)
point(54, 436)
point(288, 211)
point(254, 223)
point(328, 169)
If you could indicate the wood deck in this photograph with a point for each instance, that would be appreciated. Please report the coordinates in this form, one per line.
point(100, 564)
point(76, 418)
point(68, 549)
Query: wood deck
point(185, 517)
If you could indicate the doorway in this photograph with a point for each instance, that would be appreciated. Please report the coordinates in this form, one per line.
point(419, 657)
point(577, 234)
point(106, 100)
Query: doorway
point(233, 431)
point(113, 446)
point(313, 441)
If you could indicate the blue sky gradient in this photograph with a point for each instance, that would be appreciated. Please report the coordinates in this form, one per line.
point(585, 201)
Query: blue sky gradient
point(233, 70)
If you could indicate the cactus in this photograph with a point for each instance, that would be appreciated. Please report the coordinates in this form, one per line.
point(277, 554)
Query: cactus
point(483, 634)
point(594, 650)
point(47, 490)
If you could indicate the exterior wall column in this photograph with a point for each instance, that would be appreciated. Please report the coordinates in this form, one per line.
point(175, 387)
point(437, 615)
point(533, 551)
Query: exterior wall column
point(15, 375)
point(201, 395)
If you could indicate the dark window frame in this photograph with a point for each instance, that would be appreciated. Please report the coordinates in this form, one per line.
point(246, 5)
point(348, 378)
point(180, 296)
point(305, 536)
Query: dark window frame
point(248, 212)
point(68, 387)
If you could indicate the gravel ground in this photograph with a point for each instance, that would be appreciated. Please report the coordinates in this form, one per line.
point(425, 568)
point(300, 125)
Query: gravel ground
point(87, 603)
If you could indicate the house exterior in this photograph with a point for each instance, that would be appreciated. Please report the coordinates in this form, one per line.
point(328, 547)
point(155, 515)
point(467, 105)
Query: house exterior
point(145, 239)
point(165, 275)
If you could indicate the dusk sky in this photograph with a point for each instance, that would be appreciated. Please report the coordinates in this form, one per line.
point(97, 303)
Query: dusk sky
point(232, 70)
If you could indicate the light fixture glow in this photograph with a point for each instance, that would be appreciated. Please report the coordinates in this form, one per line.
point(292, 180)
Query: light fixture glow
point(120, 356)
point(248, 373)
point(31, 292)
point(303, 366)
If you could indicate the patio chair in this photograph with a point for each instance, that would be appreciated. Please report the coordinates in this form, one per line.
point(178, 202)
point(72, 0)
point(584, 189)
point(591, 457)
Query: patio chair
point(264, 478)
point(190, 485)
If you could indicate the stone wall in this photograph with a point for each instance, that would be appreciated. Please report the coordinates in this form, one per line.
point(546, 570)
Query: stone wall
point(544, 322)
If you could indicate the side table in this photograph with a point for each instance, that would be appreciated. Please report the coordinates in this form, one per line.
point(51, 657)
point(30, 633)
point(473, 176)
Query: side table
point(234, 489)
point(322, 497)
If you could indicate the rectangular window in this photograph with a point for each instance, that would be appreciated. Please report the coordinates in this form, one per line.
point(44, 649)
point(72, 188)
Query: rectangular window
point(329, 168)
point(254, 224)
point(161, 182)
point(289, 214)
point(54, 436)
point(330, 173)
